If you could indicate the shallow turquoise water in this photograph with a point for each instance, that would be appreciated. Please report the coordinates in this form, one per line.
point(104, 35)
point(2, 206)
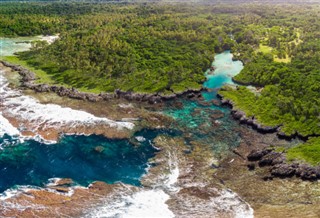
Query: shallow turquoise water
point(225, 69)
point(9, 46)
point(194, 118)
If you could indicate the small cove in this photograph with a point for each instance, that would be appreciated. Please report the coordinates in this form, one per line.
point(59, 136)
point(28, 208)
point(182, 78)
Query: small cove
point(206, 122)
point(90, 158)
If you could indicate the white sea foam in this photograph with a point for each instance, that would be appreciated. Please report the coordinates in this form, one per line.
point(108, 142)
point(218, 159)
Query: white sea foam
point(147, 202)
point(41, 116)
point(143, 204)
point(230, 201)
point(140, 138)
point(30, 109)
point(9, 193)
point(53, 181)
point(172, 178)
point(7, 128)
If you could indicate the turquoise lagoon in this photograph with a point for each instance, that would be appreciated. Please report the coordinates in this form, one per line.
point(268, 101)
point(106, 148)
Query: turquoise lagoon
point(9, 46)
point(195, 119)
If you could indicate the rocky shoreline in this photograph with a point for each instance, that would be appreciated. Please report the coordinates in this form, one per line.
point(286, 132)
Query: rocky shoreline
point(250, 121)
point(268, 193)
point(245, 83)
point(253, 122)
point(276, 163)
point(29, 78)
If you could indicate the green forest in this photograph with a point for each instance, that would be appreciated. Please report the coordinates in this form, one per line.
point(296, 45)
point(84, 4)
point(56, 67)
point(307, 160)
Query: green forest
point(165, 49)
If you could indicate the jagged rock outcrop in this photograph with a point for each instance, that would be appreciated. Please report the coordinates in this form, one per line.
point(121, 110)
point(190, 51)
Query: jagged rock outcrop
point(251, 121)
point(256, 155)
point(279, 168)
point(271, 159)
point(283, 170)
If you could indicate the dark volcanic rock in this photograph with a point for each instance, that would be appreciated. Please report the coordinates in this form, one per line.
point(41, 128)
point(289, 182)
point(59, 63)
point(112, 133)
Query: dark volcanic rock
point(279, 168)
point(238, 114)
point(257, 155)
point(191, 95)
point(267, 178)
point(283, 170)
point(77, 95)
point(251, 166)
point(41, 88)
point(271, 159)
point(307, 172)
point(106, 96)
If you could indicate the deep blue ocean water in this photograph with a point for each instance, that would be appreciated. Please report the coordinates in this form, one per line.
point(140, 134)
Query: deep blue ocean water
point(89, 158)
point(83, 158)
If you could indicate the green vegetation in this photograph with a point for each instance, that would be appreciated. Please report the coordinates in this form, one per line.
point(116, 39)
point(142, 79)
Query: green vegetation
point(286, 68)
point(131, 47)
point(309, 151)
point(41, 75)
point(144, 47)
point(291, 93)
point(277, 43)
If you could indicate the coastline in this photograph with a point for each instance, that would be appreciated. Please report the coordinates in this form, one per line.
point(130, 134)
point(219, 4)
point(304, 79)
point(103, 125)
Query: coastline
point(185, 186)
point(267, 157)
point(268, 195)
point(240, 115)
point(28, 80)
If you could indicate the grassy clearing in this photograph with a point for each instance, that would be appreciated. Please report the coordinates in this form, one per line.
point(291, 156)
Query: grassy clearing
point(269, 50)
point(42, 76)
point(308, 152)
point(282, 60)
point(264, 49)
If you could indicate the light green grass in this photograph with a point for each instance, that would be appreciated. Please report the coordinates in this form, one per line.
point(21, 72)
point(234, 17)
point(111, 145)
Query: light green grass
point(269, 50)
point(264, 49)
point(298, 40)
point(282, 60)
point(308, 152)
point(42, 76)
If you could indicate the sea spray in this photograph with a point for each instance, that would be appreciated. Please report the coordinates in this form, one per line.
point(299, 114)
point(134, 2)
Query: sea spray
point(142, 204)
point(7, 128)
point(148, 201)
point(35, 117)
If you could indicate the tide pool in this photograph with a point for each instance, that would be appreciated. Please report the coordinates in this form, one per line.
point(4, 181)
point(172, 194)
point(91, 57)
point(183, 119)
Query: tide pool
point(198, 119)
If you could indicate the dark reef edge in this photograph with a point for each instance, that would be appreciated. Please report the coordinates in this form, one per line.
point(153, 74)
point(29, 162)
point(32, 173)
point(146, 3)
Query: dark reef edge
point(28, 80)
point(253, 122)
point(268, 157)
point(278, 166)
